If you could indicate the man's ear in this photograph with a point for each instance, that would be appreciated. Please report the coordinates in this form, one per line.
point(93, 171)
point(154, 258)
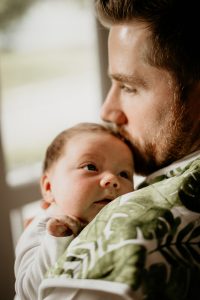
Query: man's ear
point(45, 185)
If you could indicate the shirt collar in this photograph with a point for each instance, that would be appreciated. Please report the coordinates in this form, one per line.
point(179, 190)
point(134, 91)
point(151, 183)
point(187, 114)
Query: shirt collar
point(177, 164)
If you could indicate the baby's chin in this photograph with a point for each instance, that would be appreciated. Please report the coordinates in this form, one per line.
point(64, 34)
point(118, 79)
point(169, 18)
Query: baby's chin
point(90, 217)
point(99, 205)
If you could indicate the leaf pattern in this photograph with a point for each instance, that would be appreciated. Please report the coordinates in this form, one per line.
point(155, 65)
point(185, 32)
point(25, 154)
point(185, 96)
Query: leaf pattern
point(148, 239)
point(185, 248)
point(189, 192)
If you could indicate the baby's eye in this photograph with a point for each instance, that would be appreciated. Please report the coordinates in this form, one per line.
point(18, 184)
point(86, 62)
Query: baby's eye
point(124, 174)
point(90, 167)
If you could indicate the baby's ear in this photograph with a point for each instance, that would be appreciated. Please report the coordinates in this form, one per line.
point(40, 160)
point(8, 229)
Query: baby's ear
point(45, 185)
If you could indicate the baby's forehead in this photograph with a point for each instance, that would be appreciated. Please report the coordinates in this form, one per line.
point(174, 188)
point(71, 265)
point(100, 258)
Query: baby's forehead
point(99, 145)
point(99, 136)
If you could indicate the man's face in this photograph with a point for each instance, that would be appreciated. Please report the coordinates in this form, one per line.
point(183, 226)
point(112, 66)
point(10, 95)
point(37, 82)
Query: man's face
point(94, 170)
point(143, 100)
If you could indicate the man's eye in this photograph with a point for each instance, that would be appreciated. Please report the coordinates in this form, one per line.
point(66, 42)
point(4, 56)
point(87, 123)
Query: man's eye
point(90, 167)
point(124, 174)
point(128, 89)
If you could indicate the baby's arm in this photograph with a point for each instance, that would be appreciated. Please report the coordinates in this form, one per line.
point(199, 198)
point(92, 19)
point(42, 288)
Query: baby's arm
point(39, 247)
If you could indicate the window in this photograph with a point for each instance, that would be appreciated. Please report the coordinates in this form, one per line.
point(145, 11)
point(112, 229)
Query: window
point(49, 80)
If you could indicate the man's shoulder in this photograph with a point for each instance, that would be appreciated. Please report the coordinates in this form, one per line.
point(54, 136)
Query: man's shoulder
point(175, 169)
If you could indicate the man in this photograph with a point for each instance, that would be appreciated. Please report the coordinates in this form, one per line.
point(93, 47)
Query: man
point(155, 73)
point(146, 244)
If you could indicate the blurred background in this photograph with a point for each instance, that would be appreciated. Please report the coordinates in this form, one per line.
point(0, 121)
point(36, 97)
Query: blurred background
point(53, 66)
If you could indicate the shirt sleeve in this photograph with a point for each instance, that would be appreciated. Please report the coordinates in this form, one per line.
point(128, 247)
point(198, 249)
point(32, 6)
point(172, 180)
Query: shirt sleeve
point(36, 251)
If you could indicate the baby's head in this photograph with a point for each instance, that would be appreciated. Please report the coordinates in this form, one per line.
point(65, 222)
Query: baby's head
point(85, 168)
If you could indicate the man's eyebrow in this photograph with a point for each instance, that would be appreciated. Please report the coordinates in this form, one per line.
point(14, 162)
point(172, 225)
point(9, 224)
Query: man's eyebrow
point(129, 79)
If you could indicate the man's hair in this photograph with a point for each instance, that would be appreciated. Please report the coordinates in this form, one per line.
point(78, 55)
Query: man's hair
point(174, 27)
point(56, 149)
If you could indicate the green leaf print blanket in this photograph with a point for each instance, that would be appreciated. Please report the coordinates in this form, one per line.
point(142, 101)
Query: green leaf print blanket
point(148, 239)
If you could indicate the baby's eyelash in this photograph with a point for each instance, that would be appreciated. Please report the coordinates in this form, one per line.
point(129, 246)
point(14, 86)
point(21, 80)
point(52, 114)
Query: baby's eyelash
point(125, 174)
point(90, 167)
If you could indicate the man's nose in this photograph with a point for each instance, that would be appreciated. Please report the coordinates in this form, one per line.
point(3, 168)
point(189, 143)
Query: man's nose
point(114, 116)
point(110, 181)
point(111, 110)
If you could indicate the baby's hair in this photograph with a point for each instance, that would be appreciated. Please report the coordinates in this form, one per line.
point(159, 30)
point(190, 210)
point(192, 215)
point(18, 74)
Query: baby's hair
point(56, 149)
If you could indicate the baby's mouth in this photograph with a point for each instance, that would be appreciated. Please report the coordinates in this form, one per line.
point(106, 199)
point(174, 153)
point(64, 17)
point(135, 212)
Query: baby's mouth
point(104, 201)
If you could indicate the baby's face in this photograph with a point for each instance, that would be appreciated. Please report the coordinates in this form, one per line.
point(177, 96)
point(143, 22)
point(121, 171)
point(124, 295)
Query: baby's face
point(95, 169)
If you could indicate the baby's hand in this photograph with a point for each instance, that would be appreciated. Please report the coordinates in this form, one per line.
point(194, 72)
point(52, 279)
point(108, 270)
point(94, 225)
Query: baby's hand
point(64, 226)
point(44, 204)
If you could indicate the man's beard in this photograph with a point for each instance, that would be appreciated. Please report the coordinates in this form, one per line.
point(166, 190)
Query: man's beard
point(172, 142)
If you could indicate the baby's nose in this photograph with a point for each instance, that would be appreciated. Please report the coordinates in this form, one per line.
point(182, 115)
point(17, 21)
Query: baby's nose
point(110, 181)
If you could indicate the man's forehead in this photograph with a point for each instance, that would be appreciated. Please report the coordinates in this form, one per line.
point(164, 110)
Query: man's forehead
point(127, 51)
point(129, 30)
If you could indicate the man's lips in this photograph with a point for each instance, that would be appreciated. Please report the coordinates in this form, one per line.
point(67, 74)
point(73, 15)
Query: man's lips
point(124, 133)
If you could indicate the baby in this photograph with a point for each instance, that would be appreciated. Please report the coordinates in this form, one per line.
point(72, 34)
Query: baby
point(86, 167)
